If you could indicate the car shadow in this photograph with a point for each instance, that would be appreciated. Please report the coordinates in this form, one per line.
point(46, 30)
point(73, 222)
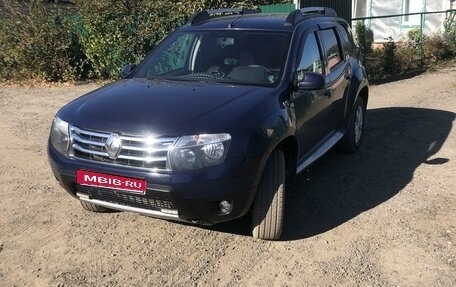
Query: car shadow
point(340, 186)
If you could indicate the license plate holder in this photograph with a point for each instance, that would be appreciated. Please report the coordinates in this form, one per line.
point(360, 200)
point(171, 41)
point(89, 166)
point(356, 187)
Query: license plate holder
point(121, 183)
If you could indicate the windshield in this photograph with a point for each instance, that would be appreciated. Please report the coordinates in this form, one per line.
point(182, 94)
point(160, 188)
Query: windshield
point(238, 57)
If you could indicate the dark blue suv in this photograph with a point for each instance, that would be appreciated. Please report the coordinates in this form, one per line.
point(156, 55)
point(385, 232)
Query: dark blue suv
point(217, 120)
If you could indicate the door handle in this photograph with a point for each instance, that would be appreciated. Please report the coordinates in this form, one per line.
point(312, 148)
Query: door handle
point(328, 93)
point(348, 74)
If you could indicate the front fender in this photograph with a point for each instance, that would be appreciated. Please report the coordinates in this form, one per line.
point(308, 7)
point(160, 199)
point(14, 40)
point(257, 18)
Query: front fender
point(259, 132)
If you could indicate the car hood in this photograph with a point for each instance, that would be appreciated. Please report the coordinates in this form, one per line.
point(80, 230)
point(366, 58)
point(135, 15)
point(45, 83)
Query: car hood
point(162, 108)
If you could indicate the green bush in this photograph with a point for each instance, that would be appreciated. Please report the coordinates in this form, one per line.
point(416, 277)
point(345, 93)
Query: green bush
point(364, 37)
point(407, 58)
point(392, 60)
point(360, 35)
point(450, 29)
point(396, 59)
point(388, 58)
point(118, 32)
point(94, 39)
point(414, 38)
point(437, 48)
point(373, 66)
point(39, 43)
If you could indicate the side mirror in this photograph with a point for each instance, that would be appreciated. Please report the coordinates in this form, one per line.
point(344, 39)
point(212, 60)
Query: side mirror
point(127, 70)
point(312, 81)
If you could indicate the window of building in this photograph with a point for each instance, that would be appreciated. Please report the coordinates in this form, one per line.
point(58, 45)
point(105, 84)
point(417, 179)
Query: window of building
point(360, 9)
point(412, 6)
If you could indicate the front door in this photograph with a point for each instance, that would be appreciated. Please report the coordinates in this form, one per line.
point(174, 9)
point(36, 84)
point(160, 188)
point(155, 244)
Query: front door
point(312, 108)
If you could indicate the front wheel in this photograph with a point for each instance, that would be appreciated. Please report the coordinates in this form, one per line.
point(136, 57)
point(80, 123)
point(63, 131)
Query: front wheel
point(352, 139)
point(268, 207)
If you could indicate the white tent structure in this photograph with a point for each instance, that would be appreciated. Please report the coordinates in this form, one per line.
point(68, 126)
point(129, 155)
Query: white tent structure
point(398, 27)
point(297, 4)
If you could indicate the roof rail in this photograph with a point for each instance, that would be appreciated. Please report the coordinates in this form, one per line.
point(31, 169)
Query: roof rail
point(297, 15)
point(207, 14)
point(319, 10)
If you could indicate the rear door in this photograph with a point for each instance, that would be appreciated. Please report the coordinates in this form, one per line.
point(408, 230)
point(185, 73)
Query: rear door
point(338, 74)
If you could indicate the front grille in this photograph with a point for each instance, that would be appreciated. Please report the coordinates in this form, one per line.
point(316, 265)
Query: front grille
point(122, 198)
point(135, 151)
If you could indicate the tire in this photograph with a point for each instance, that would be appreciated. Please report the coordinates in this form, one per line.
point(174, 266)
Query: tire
point(94, 208)
point(268, 206)
point(352, 139)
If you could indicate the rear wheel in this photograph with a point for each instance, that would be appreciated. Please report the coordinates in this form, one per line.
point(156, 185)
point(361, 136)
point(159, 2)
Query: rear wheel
point(352, 139)
point(92, 207)
point(268, 207)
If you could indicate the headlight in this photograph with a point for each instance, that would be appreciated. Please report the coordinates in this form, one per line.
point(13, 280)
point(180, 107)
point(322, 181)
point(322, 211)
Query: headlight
point(59, 135)
point(198, 151)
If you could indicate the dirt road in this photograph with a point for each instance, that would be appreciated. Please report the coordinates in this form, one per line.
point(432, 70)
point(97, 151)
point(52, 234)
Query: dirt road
point(385, 216)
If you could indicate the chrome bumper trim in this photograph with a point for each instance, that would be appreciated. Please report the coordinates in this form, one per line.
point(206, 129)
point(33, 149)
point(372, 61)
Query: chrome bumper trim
point(152, 213)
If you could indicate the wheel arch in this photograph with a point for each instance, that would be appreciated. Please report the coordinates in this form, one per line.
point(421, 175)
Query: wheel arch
point(364, 95)
point(289, 147)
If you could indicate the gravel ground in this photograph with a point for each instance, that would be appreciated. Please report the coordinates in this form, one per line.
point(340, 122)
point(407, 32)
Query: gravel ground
point(385, 216)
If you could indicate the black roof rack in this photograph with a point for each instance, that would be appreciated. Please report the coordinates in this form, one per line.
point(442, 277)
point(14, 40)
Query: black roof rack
point(297, 15)
point(207, 14)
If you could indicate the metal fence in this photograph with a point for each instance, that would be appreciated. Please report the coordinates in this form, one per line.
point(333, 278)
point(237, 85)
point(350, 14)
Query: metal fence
point(342, 7)
point(277, 8)
point(450, 17)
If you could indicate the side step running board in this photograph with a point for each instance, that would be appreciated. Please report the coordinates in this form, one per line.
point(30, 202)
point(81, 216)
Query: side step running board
point(329, 143)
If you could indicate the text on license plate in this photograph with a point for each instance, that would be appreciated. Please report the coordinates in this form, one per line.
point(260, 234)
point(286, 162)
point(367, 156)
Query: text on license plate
point(91, 178)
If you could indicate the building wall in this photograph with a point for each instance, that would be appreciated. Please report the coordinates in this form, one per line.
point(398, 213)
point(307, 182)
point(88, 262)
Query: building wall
point(398, 27)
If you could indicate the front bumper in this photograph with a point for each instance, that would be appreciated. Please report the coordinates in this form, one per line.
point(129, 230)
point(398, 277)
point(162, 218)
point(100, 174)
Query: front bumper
point(191, 196)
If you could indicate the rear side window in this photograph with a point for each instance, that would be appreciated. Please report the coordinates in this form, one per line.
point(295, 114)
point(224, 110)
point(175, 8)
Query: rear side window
point(347, 40)
point(331, 46)
point(310, 58)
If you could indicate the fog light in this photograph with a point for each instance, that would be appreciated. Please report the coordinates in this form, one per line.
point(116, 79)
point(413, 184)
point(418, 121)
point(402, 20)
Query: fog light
point(225, 207)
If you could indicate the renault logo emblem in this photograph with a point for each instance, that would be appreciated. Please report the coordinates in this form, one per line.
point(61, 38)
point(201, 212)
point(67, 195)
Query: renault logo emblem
point(113, 145)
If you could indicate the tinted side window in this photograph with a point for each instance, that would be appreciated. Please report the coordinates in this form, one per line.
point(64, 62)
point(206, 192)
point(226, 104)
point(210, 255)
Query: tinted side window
point(346, 43)
point(310, 58)
point(347, 40)
point(331, 48)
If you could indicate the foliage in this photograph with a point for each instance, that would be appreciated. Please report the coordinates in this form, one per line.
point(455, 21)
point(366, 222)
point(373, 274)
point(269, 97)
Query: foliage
point(94, 39)
point(414, 37)
point(388, 57)
point(35, 43)
point(119, 32)
point(360, 35)
point(373, 66)
point(449, 26)
point(396, 59)
point(364, 37)
point(438, 48)
point(406, 58)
